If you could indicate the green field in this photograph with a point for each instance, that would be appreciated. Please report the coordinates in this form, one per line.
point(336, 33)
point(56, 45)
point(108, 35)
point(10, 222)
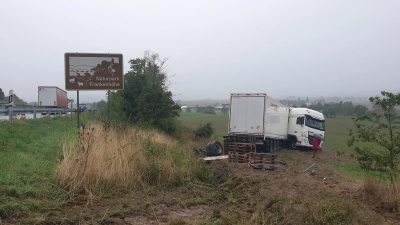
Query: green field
point(337, 134)
point(219, 121)
point(29, 152)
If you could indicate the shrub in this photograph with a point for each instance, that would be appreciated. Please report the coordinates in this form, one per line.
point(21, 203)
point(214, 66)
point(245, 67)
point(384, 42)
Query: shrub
point(204, 131)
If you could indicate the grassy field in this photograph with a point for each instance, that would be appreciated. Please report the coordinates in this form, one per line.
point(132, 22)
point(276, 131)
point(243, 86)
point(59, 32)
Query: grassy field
point(29, 152)
point(337, 134)
point(51, 175)
point(219, 122)
point(48, 165)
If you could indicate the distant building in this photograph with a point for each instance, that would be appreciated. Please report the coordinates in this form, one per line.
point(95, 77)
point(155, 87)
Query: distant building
point(220, 106)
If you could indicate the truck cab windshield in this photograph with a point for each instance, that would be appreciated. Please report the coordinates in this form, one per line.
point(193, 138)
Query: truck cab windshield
point(315, 123)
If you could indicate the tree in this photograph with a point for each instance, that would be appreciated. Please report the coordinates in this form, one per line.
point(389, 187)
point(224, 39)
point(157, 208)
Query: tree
point(224, 110)
point(346, 109)
point(381, 130)
point(360, 110)
point(2, 96)
point(145, 100)
point(339, 107)
point(208, 109)
point(330, 111)
point(18, 101)
point(319, 106)
point(377, 109)
point(101, 105)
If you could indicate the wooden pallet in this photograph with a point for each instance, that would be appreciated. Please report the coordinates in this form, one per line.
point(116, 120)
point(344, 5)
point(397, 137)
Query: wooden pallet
point(262, 161)
point(246, 139)
point(241, 146)
point(238, 160)
point(236, 154)
point(238, 157)
point(244, 145)
point(230, 139)
point(215, 158)
point(262, 156)
point(262, 166)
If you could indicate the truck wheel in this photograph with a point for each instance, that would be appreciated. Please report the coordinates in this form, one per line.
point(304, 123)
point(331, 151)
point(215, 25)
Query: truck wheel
point(292, 144)
point(218, 150)
point(214, 149)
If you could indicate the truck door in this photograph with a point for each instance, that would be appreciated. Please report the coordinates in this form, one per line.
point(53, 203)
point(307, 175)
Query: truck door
point(247, 115)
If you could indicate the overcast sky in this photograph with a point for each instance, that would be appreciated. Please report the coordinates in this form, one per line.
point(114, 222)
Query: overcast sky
point(282, 48)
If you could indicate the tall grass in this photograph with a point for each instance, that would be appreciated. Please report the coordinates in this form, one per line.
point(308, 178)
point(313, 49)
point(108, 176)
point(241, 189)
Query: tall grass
point(106, 161)
point(382, 193)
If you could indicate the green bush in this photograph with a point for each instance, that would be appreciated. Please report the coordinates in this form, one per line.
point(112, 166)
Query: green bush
point(204, 131)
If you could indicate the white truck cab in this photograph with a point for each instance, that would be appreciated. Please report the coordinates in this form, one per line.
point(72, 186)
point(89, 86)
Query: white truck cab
point(302, 123)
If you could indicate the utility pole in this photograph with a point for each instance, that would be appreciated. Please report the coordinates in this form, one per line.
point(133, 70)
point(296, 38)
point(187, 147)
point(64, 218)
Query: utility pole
point(77, 106)
point(109, 106)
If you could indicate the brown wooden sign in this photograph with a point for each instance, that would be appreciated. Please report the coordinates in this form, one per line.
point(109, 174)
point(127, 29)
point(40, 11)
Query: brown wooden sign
point(93, 71)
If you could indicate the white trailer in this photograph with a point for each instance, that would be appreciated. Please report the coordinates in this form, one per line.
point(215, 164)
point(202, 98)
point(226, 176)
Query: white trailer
point(257, 118)
point(51, 96)
point(257, 114)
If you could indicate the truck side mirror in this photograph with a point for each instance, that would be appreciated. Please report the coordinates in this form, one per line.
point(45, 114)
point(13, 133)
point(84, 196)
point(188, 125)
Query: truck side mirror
point(300, 120)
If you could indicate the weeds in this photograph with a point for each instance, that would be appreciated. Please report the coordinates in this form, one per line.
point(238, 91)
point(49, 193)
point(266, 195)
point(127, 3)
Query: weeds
point(387, 196)
point(270, 211)
point(331, 211)
point(107, 161)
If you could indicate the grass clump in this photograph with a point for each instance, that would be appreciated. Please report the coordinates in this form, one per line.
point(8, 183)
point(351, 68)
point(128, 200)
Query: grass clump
point(330, 211)
point(384, 195)
point(106, 161)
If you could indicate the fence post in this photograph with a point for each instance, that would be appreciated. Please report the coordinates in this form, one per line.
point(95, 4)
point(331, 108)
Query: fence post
point(34, 113)
point(48, 113)
point(10, 114)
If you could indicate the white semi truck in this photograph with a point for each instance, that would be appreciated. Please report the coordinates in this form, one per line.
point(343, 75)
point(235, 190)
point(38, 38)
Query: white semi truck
point(257, 118)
